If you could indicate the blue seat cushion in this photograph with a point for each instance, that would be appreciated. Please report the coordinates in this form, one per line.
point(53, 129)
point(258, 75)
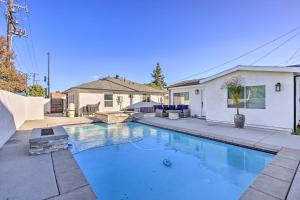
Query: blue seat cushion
point(159, 107)
point(165, 107)
point(172, 107)
point(179, 107)
point(185, 106)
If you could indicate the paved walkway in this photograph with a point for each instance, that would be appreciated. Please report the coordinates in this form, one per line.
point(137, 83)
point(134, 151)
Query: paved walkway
point(49, 176)
point(255, 137)
point(51, 121)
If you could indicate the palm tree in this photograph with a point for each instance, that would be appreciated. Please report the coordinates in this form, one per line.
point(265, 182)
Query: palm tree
point(235, 88)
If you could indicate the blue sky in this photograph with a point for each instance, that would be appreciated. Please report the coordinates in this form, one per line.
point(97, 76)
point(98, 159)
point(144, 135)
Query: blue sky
point(95, 38)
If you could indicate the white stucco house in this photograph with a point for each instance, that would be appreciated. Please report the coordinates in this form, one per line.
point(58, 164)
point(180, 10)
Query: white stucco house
point(270, 98)
point(112, 94)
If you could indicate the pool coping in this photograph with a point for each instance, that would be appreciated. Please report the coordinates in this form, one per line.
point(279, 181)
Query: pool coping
point(70, 180)
point(276, 181)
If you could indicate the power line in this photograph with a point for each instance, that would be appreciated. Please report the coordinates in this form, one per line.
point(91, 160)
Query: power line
point(277, 47)
point(31, 38)
point(29, 53)
point(242, 55)
point(295, 61)
point(293, 56)
point(19, 55)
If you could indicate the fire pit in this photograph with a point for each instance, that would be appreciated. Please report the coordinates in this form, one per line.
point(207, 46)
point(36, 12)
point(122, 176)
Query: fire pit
point(47, 140)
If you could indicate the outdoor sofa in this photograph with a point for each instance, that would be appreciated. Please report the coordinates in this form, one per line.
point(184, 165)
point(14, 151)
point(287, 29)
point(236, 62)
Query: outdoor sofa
point(161, 110)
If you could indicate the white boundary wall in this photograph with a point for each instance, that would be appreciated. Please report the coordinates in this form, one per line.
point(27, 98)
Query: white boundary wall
point(15, 110)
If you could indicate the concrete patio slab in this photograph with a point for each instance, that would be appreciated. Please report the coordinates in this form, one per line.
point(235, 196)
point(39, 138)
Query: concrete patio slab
point(70, 180)
point(270, 140)
point(284, 162)
point(52, 121)
point(251, 194)
point(271, 186)
point(55, 175)
point(294, 193)
point(23, 176)
point(83, 193)
point(278, 172)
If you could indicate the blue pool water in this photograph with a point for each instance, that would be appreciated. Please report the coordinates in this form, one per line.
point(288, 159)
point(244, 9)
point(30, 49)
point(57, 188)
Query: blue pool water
point(126, 161)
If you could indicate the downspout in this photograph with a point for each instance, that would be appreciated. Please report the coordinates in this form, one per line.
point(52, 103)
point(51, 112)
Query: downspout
point(295, 102)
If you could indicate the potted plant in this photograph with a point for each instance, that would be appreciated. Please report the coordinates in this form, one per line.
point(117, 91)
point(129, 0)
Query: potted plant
point(235, 88)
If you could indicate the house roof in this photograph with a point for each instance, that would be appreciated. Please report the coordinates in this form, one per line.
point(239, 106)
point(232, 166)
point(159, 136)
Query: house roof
point(57, 95)
point(289, 69)
point(116, 84)
point(185, 83)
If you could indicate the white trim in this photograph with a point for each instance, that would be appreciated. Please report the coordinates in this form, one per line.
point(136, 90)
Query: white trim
point(251, 68)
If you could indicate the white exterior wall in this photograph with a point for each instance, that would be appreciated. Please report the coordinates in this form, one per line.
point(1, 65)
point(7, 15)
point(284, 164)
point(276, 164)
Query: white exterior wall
point(47, 106)
point(297, 100)
point(15, 110)
point(194, 99)
point(278, 113)
point(93, 98)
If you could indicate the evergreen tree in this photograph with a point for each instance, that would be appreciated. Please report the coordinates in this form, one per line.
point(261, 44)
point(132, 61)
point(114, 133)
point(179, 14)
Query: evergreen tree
point(36, 91)
point(159, 78)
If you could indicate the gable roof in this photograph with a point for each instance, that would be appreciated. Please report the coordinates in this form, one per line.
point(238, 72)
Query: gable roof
point(288, 69)
point(116, 84)
point(185, 83)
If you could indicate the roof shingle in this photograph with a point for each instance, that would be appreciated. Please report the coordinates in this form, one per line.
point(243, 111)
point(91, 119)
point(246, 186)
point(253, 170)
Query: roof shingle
point(117, 84)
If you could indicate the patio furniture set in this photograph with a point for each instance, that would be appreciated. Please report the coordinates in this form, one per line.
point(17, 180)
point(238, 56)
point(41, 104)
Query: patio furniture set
point(172, 111)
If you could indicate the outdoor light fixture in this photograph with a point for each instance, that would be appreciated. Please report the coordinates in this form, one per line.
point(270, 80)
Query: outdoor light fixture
point(197, 91)
point(278, 87)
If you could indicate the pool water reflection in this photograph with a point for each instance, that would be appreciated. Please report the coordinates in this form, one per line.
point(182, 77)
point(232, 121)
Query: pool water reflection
point(125, 161)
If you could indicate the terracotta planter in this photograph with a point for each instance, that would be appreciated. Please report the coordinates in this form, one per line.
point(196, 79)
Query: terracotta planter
point(239, 121)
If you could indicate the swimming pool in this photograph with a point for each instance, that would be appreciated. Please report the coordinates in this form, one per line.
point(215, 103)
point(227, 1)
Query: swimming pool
point(135, 161)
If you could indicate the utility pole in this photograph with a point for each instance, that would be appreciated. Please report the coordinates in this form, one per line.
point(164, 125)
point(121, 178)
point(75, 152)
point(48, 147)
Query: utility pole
point(48, 82)
point(12, 22)
point(34, 76)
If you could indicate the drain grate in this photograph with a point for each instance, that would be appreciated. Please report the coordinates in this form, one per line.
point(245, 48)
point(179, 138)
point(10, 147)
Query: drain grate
point(47, 131)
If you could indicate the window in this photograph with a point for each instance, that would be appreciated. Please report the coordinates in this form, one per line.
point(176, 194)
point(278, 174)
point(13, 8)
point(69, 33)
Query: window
point(71, 98)
point(231, 104)
point(108, 100)
point(252, 97)
point(256, 97)
point(146, 97)
point(181, 98)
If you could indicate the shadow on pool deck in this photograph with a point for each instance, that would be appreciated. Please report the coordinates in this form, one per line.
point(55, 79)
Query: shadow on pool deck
point(48, 176)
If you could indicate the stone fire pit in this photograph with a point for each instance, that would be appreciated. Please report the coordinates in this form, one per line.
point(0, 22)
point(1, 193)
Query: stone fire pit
point(47, 140)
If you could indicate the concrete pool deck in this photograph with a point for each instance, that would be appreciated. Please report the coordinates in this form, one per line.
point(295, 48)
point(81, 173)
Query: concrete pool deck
point(50, 176)
point(57, 175)
point(270, 140)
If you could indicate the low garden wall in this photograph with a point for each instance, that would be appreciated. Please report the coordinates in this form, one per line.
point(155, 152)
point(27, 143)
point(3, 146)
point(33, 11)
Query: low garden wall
point(15, 110)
